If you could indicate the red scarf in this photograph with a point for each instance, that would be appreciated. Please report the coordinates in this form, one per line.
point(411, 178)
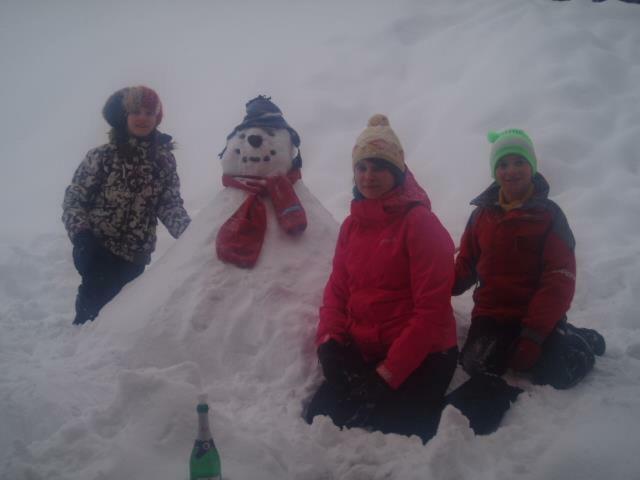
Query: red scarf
point(240, 238)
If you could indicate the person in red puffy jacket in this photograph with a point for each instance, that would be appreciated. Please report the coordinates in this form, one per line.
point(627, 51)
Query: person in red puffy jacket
point(387, 336)
point(518, 252)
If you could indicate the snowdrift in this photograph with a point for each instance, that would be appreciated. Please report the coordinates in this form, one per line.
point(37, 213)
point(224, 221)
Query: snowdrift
point(116, 399)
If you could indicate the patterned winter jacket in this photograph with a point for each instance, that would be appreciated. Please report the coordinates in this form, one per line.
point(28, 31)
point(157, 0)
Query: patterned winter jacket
point(390, 289)
point(118, 193)
point(521, 261)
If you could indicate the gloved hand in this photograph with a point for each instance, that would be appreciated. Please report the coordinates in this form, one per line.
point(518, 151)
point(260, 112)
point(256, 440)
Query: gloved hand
point(341, 365)
point(524, 354)
point(85, 246)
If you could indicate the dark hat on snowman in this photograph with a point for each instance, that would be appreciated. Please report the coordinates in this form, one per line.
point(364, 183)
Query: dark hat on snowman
point(263, 113)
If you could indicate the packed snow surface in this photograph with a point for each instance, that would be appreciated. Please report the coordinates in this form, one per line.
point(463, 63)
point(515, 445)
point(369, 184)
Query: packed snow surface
point(116, 398)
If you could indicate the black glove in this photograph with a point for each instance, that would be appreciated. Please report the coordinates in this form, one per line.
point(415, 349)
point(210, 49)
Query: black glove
point(85, 246)
point(341, 365)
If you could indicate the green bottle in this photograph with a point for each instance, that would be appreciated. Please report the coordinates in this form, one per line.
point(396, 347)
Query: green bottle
point(205, 461)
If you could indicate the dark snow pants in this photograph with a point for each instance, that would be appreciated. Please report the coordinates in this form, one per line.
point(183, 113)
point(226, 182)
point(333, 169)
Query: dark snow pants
point(102, 279)
point(413, 409)
point(566, 358)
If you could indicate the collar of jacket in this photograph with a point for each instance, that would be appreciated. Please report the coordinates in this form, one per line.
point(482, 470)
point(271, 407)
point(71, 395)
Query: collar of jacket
point(135, 150)
point(163, 140)
point(489, 198)
point(395, 203)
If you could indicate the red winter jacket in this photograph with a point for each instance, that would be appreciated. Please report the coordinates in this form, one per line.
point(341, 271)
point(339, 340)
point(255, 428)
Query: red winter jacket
point(390, 289)
point(522, 261)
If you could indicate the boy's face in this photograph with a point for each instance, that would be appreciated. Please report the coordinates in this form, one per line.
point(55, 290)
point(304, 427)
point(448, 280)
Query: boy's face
point(514, 175)
point(141, 122)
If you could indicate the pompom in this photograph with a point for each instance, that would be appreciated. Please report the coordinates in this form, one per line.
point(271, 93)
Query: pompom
point(493, 136)
point(378, 120)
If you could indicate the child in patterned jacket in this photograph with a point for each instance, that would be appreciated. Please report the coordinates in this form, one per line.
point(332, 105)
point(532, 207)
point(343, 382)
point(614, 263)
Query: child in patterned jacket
point(116, 196)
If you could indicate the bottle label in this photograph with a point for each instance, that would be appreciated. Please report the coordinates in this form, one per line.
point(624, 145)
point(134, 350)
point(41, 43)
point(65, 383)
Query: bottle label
point(201, 447)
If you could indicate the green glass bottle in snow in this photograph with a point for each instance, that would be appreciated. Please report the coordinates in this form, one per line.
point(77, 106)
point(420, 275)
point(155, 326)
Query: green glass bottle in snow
point(205, 461)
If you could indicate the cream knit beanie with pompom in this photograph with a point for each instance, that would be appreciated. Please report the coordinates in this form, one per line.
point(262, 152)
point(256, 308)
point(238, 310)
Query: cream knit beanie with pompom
point(378, 140)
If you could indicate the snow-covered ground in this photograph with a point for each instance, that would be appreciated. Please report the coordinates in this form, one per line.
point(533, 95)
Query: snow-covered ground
point(116, 399)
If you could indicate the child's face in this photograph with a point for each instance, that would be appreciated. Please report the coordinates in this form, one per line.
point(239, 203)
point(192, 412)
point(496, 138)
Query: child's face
point(514, 175)
point(141, 122)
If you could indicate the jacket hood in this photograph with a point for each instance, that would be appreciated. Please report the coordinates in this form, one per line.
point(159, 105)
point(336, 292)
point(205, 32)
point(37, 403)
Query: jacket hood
point(489, 197)
point(397, 202)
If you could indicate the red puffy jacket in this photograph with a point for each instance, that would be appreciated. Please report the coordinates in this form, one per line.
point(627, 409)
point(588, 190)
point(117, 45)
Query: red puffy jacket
point(390, 289)
point(522, 260)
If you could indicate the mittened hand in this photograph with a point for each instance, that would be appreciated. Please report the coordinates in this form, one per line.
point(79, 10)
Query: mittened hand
point(342, 365)
point(332, 360)
point(525, 354)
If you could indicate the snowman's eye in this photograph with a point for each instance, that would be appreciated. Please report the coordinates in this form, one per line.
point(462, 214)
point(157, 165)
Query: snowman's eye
point(272, 152)
point(237, 150)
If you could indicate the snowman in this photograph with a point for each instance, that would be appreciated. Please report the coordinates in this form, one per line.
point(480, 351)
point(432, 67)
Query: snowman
point(261, 158)
point(247, 275)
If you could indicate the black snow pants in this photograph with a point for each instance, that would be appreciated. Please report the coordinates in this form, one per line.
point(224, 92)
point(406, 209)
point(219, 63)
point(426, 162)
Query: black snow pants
point(102, 279)
point(413, 409)
point(567, 353)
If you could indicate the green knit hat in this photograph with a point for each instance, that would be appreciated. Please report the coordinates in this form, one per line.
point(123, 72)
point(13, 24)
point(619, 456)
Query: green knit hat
point(511, 141)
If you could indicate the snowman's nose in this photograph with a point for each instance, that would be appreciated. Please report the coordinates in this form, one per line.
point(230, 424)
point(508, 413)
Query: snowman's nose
point(254, 140)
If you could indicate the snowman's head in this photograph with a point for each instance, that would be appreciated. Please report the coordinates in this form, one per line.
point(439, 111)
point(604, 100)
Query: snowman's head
point(263, 145)
point(259, 151)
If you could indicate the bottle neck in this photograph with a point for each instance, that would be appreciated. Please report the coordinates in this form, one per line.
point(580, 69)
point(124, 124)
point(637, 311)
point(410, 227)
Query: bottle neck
point(204, 433)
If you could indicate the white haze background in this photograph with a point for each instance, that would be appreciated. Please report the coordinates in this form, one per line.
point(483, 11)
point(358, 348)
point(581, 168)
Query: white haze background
point(115, 399)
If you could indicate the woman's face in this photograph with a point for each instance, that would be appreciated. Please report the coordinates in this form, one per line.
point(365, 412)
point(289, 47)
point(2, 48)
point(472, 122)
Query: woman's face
point(514, 175)
point(142, 122)
point(372, 180)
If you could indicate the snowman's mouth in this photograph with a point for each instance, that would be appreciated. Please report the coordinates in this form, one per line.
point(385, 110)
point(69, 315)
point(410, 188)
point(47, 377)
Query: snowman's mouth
point(266, 158)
